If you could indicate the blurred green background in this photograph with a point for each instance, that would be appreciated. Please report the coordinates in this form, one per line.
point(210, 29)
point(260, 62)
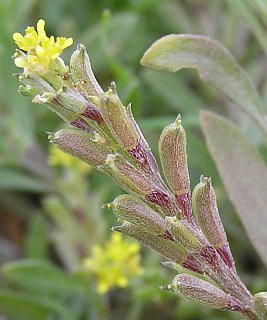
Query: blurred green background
point(51, 215)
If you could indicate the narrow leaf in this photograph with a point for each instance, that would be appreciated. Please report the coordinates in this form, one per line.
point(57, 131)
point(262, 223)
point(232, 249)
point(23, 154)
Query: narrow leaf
point(14, 179)
point(41, 276)
point(22, 306)
point(215, 65)
point(244, 175)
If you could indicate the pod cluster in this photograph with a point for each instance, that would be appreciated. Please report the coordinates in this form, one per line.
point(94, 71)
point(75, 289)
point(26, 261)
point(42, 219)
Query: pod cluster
point(162, 214)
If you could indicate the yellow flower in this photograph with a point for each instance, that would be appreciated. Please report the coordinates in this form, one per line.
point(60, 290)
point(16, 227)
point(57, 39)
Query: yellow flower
point(115, 263)
point(60, 158)
point(39, 50)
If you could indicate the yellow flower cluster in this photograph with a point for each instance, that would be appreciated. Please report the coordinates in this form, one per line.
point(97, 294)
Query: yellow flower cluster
point(62, 159)
point(115, 263)
point(39, 49)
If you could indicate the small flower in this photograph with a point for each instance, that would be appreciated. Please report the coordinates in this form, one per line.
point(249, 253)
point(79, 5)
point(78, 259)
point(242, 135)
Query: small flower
point(39, 49)
point(115, 263)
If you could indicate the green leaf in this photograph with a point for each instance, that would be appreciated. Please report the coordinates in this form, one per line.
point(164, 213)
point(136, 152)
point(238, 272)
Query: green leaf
point(244, 175)
point(36, 243)
point(245, 9)
point(40, 275)
point(214, 64)
point(14, 179)
point(22, 306)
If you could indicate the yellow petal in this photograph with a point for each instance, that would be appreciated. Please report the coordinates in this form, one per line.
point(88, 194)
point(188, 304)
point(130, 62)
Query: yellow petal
point(41, 30)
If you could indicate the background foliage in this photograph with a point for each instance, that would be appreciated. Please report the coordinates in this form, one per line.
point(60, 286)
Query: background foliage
point(40, 204)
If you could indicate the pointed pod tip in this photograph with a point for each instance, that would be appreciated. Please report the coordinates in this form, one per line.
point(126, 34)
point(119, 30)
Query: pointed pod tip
point(108, 205)
point(112, 88)
point(81, 47)
point(129, 107)
point(178, 120)
point(168, 287)
point(206, 181)
point(119, 228)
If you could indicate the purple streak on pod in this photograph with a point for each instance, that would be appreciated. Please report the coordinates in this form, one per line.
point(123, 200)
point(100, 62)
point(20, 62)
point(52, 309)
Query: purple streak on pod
point(208, 218)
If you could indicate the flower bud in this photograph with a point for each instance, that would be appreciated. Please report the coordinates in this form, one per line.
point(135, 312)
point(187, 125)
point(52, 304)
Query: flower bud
point(80, 145)
point(173, 157)
point(132, 209)
point(208, 218)
point(170, 249)
point(114, 114)
point(183, 232)
point(134, 181)
point(260, 303)
point(81, 72)
point(203, 292)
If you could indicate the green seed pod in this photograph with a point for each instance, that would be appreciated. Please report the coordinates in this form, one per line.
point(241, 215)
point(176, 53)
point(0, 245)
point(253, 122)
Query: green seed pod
point(170, 249)
point(188, 236)
point(32, 85)
point(134, 210)
point(81, 72)
point(203, 292)
point(208, 218)
point(173, 157)
point(260, 303)
point(136, 182)
point(127, 176)
point(80, 145)
point(67, 104)
point(114, 114)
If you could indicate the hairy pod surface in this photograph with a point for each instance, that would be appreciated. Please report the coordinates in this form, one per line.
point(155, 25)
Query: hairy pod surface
point(203, 292)
point(134, 210)
point(82, 73)
point(173, 157)
point(80, 145)
point(188, 236)
point(114, 114)
point(207, 215)
point(168, 248)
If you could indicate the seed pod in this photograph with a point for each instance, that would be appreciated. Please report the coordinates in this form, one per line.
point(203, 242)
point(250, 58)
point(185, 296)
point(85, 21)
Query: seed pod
point(188, 236)
point(170, 249)
point(142, 151)
point(203, 292)
point(134, 181)
point(173, 157)
point(81, 71)
point(260, 303)
point(208, 218)
point(114, 114)
point(80, 145)
point(32, 85)
point(134, 210)
point(65, 103)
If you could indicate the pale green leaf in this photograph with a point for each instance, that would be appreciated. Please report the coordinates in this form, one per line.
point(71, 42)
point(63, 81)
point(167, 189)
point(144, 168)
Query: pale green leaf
point(244, 175)
point(41, 276)
point(14, 179)
point(214, 64)
point(23, 306)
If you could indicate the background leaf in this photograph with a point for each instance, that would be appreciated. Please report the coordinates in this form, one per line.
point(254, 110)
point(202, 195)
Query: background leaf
point(22, 306)
point(244, 175)
point(41, 276)
point(13, 179)
point(214, 64)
